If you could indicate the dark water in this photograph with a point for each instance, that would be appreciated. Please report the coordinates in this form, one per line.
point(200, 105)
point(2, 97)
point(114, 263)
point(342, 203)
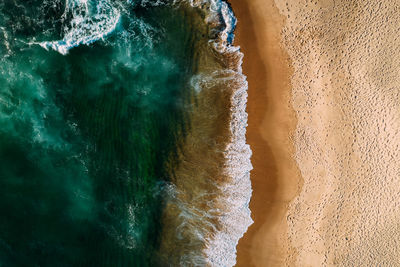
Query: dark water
point(85, 137)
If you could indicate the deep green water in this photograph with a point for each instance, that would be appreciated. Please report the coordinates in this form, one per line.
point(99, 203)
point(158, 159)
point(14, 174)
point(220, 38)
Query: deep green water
point(85, 137)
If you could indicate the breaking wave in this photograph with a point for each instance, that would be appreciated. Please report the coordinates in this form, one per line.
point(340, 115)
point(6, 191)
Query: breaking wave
point(235, 194)
point(212, 210)
point(91, 21)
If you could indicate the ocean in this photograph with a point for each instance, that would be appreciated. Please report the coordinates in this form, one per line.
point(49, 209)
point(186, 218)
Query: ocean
point(122, 134)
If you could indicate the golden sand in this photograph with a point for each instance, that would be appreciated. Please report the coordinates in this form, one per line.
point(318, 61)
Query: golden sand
point(346, 95)
point(275, 178)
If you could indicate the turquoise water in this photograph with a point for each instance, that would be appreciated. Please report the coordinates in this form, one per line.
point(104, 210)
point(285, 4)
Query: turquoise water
point(85, 137)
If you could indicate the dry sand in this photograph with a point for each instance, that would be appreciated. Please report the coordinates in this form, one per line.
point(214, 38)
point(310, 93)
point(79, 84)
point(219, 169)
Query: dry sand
point(346, 95)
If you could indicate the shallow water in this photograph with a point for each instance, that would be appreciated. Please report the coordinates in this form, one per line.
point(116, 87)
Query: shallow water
point(97, 104)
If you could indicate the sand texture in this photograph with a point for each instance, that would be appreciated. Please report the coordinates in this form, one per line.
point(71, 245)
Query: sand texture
point(271, 124)
point(346, 96)
point(345, 90)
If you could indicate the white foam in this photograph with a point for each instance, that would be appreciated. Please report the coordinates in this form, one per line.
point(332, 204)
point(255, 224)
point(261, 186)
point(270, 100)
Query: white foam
point(88, 24)
point(6, 41)
point(221, 246)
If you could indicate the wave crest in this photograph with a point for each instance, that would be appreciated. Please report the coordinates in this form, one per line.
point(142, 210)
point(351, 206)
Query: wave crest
point(88, 22)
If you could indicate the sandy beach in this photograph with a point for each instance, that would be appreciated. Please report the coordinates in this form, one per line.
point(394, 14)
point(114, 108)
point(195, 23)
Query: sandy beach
point(275, 177)
point(344, 89)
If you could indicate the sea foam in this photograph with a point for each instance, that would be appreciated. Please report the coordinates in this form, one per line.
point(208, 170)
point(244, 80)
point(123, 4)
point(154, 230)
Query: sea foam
point(220, 247)
point(89, 23)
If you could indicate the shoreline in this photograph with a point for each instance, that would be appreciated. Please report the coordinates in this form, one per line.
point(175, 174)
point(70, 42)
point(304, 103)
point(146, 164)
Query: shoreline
point(207, 205)
point(272, 122)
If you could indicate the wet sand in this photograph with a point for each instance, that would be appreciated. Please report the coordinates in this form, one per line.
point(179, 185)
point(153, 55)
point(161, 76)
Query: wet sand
point(275, 177)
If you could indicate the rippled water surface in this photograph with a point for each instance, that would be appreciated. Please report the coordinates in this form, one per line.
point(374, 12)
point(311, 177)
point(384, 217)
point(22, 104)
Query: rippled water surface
point(84, 136)
point(122, 133)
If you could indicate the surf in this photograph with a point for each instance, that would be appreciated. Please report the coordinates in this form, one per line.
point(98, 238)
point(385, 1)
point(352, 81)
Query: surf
point(144, 103)
point(87, 22)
